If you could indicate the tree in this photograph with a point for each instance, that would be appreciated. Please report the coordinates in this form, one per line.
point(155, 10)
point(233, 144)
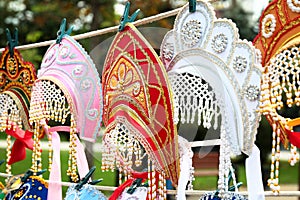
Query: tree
point(242, 20)
point(39, 20)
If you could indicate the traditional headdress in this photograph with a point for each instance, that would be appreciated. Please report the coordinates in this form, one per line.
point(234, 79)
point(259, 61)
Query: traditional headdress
point(279, 43)
point(87, 192)
point(84, 191)
point(68, 86)
point(138, 112)
point(28, 187)
point(16, 79)
point(214, 76)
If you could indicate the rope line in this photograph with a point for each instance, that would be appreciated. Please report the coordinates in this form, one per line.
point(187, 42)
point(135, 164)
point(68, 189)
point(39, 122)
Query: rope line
point(90, 34)
point(187, 192)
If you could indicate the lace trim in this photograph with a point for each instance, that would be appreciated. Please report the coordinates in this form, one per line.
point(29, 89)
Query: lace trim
point(193, 96)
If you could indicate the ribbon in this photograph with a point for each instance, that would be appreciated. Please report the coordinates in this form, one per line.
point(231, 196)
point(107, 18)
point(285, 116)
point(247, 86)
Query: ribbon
point(184, 177)
point(254, 177)
point(294, 137)
point(55, 187)
point(23, 140)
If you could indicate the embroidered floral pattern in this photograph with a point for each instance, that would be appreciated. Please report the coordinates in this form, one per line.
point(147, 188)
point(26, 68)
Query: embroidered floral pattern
point(168, 51)
point(191, 32)
point(64, 52)
point(123, 78)
point(219, 43)
point(294, 5)
point(239, 64)
point(78, 70)
point(85, 84)
point(252, 92)
point(11, 65)
point(268, 25)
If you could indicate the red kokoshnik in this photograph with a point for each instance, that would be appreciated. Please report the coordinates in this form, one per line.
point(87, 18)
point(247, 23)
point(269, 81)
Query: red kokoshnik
point(137, 94)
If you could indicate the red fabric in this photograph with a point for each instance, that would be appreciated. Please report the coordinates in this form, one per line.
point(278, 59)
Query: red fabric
point(294, 138)
point(23, 140)
point(121, 188)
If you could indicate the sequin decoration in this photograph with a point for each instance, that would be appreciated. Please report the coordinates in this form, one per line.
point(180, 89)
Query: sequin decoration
point(34, 188)
point(219, 43)
point(239, 64)
point(252, 93)
point(168, 51)
point(268, 25)
point(191, 32)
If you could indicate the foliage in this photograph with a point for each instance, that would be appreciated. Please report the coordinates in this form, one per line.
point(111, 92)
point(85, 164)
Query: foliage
point(150, 8)
point(39, 20)
point(242, 19)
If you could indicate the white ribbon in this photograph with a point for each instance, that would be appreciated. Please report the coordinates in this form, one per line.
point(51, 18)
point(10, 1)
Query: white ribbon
point(254, 177)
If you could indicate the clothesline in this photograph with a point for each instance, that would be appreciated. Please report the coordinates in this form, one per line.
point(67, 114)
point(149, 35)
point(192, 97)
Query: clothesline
point(188, 192)
point(90, 34)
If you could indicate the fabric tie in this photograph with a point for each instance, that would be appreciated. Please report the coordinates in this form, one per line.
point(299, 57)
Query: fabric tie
point(23, 140)
point(254, 177)
point(55, 190)
point(294, 137)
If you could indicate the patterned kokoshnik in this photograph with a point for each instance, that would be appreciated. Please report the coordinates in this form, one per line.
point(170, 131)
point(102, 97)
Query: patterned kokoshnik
point(138, 113)
point(278, 41)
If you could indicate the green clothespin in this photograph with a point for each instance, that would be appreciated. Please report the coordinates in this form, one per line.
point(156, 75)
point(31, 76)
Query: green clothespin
point(136, 183)
point(125, 18)
point(231, 188)
point(86, 179)
point(31, 173)
point(192, 6)
point(12, 40)
point(62, 31)
point(2, 161)
point(94, 182)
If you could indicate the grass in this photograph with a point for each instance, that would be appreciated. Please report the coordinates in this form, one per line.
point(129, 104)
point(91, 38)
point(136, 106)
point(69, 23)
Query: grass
point(287, 175)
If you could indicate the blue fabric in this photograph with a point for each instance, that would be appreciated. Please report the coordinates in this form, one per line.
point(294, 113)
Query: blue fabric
point(33, 188)
point(169, 184)
point(232, 196)
point(87, 192)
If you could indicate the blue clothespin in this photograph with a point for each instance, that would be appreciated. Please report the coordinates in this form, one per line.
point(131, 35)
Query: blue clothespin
point(62, 31)
point(192, 6)
point(126, 18)
point(12, 40)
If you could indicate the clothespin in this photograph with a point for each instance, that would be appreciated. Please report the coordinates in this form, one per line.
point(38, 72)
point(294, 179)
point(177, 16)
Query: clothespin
point(192, 6)
point(12, 40)
point(30, 173)
point(136, 183)
point(125, 18)
point(2, 161)
point(62, 31)
point(231, 188)
point(86, 179)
